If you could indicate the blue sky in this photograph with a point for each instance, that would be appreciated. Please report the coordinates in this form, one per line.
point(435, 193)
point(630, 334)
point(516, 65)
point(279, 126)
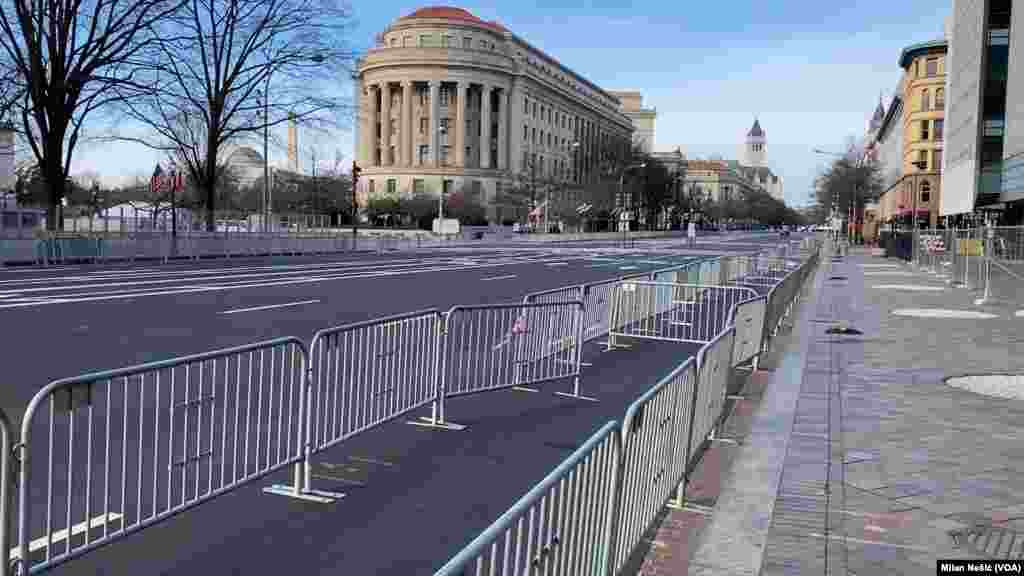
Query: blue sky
point(811, 71)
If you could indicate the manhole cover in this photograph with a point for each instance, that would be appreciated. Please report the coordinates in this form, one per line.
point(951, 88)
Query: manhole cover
point(942, 313)
point(996, 385)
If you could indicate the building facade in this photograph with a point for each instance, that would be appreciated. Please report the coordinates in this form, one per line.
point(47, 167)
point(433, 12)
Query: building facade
point(449, 102)
point(753, 163)
point(909, 140)
point(985, 161)
point(643, 118)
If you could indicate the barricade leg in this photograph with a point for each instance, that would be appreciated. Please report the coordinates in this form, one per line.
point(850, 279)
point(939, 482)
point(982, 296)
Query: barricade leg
point(578, 354)
point(437, 417)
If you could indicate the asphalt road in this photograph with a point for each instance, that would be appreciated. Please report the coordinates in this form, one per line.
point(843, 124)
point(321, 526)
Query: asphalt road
point(413, 496)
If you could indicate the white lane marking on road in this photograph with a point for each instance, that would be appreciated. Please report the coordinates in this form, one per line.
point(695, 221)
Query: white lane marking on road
point(194, 289)
point(880, 266)
point(941, 313)
point(909, 287)
point(628, 267)
point(652, 262)
point(270, 307)
point(890, 273)
point(558, 264)
point(505, 277)
point(60, 535)
point(164, 279)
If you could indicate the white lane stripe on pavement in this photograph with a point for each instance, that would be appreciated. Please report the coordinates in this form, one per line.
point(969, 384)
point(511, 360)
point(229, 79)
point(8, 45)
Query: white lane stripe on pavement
point(628, 267)
point(505, 277)
point(270, 307)
point(558, 264)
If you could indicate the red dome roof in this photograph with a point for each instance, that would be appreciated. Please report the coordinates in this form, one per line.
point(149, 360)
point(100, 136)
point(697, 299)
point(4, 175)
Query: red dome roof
point(452, 13)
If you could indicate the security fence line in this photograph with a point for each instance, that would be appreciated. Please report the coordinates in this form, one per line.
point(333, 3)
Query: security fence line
point(663, 435)
point(107, 454)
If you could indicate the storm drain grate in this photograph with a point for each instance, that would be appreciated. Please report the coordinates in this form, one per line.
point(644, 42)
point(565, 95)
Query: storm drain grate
point(987, 541)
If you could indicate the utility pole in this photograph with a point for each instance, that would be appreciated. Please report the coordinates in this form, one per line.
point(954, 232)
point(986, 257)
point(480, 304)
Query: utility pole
point(355, 211)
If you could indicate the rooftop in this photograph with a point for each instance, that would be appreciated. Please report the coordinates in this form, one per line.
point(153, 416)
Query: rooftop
point(921, 48)
point(452, 13)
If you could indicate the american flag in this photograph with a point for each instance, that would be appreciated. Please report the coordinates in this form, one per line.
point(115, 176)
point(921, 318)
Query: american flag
point(161, 182)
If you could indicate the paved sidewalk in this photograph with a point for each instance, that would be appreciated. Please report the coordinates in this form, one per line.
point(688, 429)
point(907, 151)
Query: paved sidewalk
point(869, 463)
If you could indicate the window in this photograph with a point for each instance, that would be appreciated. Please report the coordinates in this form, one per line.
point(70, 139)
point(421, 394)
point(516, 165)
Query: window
point(417, 186)
point(926, 189)
point(940, 98)
point(446, 187)
point(394, 42)
point(424, 39)
point(423, 125)
point(526, 159)
point(922, 158)
point(556, 119)
point(932, 67)
point(445, 125)
point(446, 41)
point(939, 125)
point(445, 95)
point(407, 42)
point(937, 160)
point(445, 153)
point(526, 105)
point(392, 185)
point(542, 112)
point(424, 153)
point(469, 151)
point(424, 97)
point(549, 139)
point(467, 43)
point(371, 187)
point(483, 44)
point(925, 100)
point(526, 132)
point(534, 135)
point(535, 110)
point(924, 129)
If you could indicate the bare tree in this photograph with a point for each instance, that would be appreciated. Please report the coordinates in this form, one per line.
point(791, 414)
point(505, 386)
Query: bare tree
point(63, 60)
point(231, 70)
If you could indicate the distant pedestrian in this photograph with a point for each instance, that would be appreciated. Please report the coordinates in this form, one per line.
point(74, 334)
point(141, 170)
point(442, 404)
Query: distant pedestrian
point(691, 233)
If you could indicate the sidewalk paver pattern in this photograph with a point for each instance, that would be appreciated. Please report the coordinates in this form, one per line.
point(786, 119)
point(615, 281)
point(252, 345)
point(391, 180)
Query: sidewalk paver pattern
point(886, 462)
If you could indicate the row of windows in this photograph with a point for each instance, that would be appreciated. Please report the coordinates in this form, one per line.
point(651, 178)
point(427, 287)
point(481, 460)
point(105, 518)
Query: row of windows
point(935, 156)
point(535, 164)
point(931, 128)
point(447, 41)
point(419, 186)
point(423, 154)
point(530, 135)
point(929, 70)
point(940, 99)
point(547, 114)
point(757, 147)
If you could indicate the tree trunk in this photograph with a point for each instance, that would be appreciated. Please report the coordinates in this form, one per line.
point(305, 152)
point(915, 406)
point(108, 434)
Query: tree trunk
point(53, 176)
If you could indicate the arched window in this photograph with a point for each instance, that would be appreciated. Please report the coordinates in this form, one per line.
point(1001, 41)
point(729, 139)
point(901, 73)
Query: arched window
point(926, 189)
point(925, 100)
point(940, 98)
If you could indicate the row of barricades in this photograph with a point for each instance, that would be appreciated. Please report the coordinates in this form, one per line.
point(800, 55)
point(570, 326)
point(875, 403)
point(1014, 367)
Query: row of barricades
point(589, 515)
point(102, 455)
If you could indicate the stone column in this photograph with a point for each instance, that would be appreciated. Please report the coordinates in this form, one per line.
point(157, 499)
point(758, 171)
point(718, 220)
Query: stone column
point(485, 127)
point(434, 123)
point(460, 123)
point(406, 124)
point(501, 163)
point(371, 132)
point(385, 124)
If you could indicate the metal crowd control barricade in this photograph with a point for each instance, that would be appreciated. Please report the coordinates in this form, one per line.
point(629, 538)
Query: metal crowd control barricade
point(496, 346)
point(693, 313)
point(561, 526)
point(110, 453)
point(748, 319)
point(6, 494)
point(365, 374)
point(714, 363)
point(655, 455)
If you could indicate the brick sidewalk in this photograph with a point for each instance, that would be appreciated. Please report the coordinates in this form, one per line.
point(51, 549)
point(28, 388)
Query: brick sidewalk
point(885, 468)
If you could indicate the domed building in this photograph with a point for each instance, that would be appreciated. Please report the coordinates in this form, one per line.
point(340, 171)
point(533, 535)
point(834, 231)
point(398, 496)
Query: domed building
point(448, 101)
point(246, 165)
